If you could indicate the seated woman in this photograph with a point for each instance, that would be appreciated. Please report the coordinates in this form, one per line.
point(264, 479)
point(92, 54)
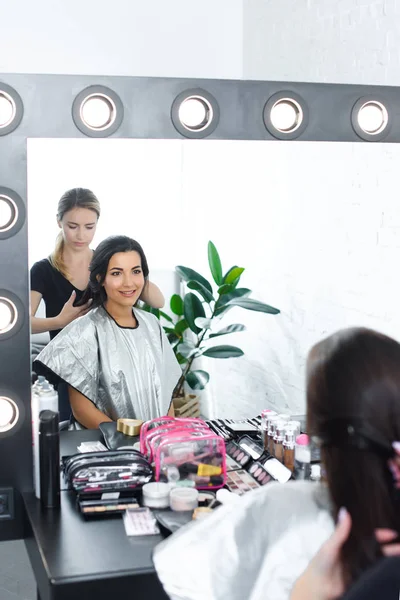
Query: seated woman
point(116, 359)
point(255, 550)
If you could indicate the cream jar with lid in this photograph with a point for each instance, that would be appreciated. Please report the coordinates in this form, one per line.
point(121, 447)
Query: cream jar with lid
point(183, 499)
point(156, 494)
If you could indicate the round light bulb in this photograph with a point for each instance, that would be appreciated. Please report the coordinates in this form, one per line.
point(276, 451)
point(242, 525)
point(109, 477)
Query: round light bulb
point(9, 414)
point(372, 117)
point(7, 109)
point(8, 315)
point(286, 115)
point(98, 112)
point(8, 213)
point(195, 113)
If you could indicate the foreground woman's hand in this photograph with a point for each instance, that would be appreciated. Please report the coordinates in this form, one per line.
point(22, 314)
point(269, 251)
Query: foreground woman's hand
point(323, 578)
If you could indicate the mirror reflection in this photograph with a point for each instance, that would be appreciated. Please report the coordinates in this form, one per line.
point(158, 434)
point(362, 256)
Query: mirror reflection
point(314, 225)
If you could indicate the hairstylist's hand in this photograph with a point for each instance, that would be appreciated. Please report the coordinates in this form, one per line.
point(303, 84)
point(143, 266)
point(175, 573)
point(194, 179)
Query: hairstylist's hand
point(70, 312)
point(323, 578)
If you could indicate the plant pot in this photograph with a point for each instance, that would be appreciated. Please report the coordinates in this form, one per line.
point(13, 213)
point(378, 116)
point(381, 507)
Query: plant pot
point(187, 406)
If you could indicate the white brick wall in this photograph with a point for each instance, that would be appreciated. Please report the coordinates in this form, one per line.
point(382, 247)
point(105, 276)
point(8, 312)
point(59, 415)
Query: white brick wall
point(328, 248)
point(319, 232)
point(343, 41)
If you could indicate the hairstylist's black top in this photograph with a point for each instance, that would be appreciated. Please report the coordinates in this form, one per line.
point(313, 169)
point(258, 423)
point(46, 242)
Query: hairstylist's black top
point(381, 582)
point(54, 287)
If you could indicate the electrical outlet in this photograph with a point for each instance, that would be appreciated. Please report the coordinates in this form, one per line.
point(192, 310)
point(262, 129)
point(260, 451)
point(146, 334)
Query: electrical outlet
point(6, 504)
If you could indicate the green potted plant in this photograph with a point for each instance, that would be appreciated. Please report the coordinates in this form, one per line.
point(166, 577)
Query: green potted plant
point(199, 311)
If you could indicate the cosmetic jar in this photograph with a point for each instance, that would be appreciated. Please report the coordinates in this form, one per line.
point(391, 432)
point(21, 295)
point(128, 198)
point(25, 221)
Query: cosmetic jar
point(156, 494)
point(129, 427)
point(183, 499)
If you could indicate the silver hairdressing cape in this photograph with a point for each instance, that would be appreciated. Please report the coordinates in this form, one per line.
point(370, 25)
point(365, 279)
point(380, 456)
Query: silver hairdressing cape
point(253, 550)
point(125, 372)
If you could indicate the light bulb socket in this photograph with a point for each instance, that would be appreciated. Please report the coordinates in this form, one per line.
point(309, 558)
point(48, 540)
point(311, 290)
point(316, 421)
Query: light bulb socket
point(298, 103)
point(387, 118)
point(17, 212)
point(103, 93)
point(14, 98)
point(17, 313)
point(211, 108)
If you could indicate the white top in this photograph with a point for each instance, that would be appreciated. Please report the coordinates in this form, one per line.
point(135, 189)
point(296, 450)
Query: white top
point(254, 550)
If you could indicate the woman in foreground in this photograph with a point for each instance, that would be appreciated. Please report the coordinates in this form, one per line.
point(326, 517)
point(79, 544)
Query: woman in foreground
point(258, 549)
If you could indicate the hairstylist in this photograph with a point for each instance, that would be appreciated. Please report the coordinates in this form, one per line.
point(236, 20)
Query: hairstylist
point(62, 278)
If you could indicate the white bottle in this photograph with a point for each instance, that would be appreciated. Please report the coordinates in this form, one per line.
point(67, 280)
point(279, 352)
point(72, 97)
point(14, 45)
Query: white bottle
point(44, 397)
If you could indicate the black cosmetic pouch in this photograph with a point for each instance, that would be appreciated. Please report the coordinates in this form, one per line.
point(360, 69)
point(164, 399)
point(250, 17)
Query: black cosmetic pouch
point(115, 439)
point(94, 473)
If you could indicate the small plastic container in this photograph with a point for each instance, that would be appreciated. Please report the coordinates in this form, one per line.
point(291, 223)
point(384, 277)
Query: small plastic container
point(156, 494)
point(181, 499)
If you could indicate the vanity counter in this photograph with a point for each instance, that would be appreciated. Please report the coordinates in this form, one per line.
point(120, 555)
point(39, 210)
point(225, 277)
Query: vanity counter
point(83, 559)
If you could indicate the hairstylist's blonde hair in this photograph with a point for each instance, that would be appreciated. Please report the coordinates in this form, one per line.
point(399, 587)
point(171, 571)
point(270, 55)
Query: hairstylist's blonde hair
point(75, 198)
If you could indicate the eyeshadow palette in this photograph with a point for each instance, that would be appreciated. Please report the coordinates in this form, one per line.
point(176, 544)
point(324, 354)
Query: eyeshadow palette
point(259, 473)
point(253, 447)
point(240, 482)
point(92, 508)
point(237, 457)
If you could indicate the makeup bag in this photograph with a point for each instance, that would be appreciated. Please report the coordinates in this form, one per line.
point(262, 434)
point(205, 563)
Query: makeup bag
point(146, 440)
point(194, 455)
point(93, 473)
point(159, 435)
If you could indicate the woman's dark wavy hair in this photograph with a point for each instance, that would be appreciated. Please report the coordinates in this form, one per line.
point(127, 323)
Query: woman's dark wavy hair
point(99, 265)
point(353, 376)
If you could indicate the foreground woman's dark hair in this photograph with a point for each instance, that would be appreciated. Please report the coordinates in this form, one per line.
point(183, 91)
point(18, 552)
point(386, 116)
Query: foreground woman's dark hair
point(353, 403)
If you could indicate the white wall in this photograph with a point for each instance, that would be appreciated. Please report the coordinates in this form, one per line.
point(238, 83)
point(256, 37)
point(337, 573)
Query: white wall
point(151, 38)
point(336, 41)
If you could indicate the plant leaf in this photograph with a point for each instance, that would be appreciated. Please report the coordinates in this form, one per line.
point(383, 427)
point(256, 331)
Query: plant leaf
point(190, 275)
point(225, 289)
point(165, 316)
point(181, 359)
point(176, 304)
point(230, 329)
point(173, 339)
point(193, 308)
point(203, 323)
point(223, 352)
point(169, 330)
point(222, 302)
point(197, 380)
point(250, 304)
point(233, 275)
point(214, 262)
point(181, 326)
point(186, 349)
point(199, 287)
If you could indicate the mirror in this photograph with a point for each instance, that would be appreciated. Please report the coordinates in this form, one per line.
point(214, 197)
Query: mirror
point(315, 225)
